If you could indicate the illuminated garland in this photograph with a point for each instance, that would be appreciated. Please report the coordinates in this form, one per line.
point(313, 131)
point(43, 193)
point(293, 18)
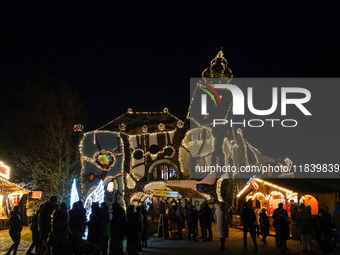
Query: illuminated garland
point(74, 193)
point(97, 195)
point(128, 180)
point(219, 186)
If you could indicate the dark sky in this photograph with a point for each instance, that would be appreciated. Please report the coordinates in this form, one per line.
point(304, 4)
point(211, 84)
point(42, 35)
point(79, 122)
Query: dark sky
point(139, 54)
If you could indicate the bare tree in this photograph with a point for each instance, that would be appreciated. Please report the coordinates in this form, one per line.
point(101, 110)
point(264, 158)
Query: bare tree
point(50, 152)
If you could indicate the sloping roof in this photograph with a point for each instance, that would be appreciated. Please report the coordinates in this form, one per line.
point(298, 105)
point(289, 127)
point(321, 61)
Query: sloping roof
point(186, 192)
point(7, 187)
point(135, 121)
point(322, 186)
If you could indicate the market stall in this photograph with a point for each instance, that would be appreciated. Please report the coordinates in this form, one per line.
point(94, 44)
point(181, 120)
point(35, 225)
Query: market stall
point(10, 196)
point(268, 193)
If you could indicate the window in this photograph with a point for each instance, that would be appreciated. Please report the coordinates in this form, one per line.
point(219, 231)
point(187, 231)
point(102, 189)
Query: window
point(192, 137)
point(200, 136)
point(164, 172)
point(209, 135)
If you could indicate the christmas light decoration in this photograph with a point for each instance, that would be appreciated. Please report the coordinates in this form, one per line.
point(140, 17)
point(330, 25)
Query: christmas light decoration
point(131, 184)
point(78, 128)
point(122, 126)
point(97, 195)
point(74, 193)
point(161, 127)
point(219, 186)
point(265, 183)
point(256, 194)
point(154, 185)
point(4, 170)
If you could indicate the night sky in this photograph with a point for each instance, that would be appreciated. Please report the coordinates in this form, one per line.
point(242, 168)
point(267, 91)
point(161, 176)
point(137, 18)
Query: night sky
point(141, 55)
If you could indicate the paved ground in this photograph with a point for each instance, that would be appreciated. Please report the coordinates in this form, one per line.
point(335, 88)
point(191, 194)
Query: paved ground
point(234, 245)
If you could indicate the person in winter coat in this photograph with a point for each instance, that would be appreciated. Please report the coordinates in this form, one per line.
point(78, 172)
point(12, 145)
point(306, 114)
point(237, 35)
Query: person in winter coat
point(106, 227)
point(248, 218)
point(207, 220)
point(336, 218)
point(60, 243)
point(95, 224)
point(282, 229)
point(264, 223)
point(304, 223)
point(144, 235)
point(200, 217)
point(44, 224)
point(132, 230)
point(323, 231)
point(15, 230)
point(180, 221)
point(140, 227)
point(118, 230)
point(222, 219)
point(191, 222)
point(35, 233)
point(275, 215)
point(77, 219)
point(257, 222)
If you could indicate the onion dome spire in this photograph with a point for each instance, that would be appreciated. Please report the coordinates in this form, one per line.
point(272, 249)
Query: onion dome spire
point(218, 68)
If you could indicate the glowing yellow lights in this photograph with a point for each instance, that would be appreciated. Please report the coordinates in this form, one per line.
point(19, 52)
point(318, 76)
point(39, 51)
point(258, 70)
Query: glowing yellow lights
point(244, 189)
point(256, 194)
point(161, 126)
point(130, 182)
point(4, 170)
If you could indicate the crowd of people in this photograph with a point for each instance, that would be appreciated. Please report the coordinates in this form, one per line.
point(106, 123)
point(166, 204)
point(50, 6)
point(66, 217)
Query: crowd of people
point(57, 230)
point(323, 227)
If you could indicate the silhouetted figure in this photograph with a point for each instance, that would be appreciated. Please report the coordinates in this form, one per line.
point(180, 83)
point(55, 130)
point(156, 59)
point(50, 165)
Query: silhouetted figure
point(336, 219)
point(118, 230)
point(60, 240)
point(200, 217)
point(35, 233)
point(132, 230)
point(293, 209)
point(257, 222)
point(264, 223)
point(248, 218)
point(15, 229)
point(196, 222)
point(140, 227)
point(275, 215)
point(180, 221)
point(230, 211)
point(95, 225)
point(304, 223)
point(151, 211)
point(82, 214)
point(106, 228)
point(282, 229)
point(207, 220)
point(45, 224)
point(77, 218)
point(222, 219)
point(191, 218)
point(323, 231)
point(145, 227)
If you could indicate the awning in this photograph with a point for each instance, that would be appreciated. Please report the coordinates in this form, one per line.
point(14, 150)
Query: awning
point(10, 188)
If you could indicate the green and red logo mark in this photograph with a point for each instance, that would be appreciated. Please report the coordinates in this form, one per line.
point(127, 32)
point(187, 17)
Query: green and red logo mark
point(209, 93)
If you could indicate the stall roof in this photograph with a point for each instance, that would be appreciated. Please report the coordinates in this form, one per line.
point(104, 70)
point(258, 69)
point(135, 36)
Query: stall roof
point(7, 188)
point(322, 186)
point(186, 192)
